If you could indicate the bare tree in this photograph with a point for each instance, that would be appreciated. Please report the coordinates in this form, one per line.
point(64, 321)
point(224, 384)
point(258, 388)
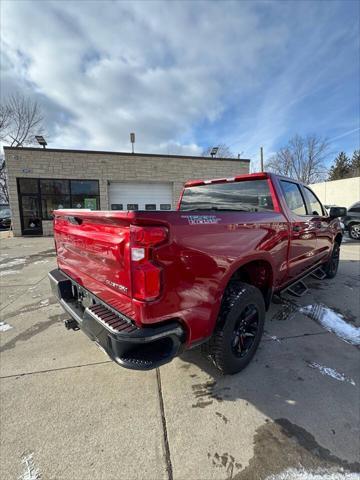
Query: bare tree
point(302, 158)
point(5, 120)
point(223, 151)
point(4, 193)
point(20, 120)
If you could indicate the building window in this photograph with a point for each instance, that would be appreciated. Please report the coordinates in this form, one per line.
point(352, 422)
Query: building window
point(54, 187)
point(132, 206)
point(165, 206)
point(84, 187)
point(52, 194)
point(81, 201)
point(117, 206)
point(49, 203)
point(85, 194)
point(28, 185)
point(150, 206)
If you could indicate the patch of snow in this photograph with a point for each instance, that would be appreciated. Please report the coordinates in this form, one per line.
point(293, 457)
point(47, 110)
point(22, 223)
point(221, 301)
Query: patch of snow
point(13, 263)
point(41, 261)
point(273, 337)
point(320, 474)
point(333, 322)
point(31, 472)
point(44, 303)
point(4, 327)
point(8, 272)
point(331, 372)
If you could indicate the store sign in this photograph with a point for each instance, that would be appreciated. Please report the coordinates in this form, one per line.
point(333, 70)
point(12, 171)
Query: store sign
point(90, 203)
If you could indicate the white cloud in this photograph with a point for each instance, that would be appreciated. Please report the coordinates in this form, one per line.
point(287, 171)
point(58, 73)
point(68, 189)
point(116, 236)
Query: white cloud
point(161, 69)
point(116, 67)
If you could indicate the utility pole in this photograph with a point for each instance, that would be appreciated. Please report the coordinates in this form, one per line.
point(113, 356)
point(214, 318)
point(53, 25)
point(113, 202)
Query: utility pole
point(261, 159)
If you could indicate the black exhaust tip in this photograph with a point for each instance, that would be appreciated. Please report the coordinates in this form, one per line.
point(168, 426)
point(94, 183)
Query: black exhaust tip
point(71, 324)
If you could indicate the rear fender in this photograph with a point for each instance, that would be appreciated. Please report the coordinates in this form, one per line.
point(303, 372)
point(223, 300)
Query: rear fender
point(263, 256)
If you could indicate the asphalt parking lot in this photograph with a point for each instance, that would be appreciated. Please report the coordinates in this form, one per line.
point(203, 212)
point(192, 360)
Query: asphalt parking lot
point(67, 412)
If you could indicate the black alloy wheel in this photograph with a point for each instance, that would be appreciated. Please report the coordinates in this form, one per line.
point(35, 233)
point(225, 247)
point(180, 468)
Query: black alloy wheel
point(245, 331)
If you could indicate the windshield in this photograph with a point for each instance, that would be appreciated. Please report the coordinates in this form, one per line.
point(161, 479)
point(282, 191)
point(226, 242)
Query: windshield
point(246, 195)
point(5, 212)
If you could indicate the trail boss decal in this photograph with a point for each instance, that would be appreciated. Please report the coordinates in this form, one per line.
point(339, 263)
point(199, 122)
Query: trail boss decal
point(202, 219)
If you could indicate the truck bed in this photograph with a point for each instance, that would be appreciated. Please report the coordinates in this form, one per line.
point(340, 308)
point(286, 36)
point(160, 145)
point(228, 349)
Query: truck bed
point(200, 253)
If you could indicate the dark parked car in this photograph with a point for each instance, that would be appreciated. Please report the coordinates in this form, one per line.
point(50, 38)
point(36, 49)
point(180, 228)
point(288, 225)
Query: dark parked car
point(5, 217)
point(352, 221)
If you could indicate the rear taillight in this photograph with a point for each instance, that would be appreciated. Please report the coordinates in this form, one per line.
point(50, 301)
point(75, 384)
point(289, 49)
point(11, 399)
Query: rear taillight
point(146, 275)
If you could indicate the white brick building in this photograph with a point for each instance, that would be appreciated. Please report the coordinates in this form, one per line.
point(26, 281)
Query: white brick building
point(41, 180)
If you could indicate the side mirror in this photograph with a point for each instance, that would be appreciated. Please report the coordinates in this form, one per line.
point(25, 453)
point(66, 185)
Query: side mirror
point(337, 212)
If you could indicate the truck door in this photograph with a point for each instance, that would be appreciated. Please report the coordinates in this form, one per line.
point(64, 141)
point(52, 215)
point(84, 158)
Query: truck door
point(302, 245)
point(321, 224)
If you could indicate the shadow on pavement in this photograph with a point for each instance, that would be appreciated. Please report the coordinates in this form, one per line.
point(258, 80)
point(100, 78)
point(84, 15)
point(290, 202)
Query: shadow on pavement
point(305, 410)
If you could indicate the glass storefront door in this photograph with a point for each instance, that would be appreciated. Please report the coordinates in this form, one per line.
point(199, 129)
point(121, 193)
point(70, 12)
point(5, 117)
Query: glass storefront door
point(30, 215)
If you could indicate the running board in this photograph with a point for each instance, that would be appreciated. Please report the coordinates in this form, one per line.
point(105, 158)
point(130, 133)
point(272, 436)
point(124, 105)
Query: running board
point(319, 274)
point(298, 289)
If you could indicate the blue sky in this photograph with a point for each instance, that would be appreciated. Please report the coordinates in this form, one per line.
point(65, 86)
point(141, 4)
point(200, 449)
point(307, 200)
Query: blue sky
point(185, 75)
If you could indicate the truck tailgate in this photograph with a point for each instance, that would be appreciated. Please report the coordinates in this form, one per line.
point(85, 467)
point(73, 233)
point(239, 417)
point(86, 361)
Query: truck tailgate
point(93, 249)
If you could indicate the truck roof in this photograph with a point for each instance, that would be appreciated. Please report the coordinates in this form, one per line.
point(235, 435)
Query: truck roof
point(237, 178)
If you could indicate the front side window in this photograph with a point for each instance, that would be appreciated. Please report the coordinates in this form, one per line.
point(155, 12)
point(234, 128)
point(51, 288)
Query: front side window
point(246, 196)
point(293, 197)
point(315, 205)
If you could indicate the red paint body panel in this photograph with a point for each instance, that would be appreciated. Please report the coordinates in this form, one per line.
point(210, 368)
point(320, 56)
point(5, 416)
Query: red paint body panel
point(196, 260)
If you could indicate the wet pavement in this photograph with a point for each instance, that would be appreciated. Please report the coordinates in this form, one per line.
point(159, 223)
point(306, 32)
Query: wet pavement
point(70, 413)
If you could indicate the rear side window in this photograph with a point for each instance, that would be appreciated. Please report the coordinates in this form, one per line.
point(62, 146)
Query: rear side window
point(315, 205)
point(293, 197)
point(246, 195)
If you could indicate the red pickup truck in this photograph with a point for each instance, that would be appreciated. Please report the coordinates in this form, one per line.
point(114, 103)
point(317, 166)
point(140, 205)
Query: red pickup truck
point(147, 285)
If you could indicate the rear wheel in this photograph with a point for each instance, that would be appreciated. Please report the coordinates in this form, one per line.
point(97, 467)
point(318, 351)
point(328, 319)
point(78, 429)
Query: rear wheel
point(354, 231)
point(332, 265)
point(239, 329)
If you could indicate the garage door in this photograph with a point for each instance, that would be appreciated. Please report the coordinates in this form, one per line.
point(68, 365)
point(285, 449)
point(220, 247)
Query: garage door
point(140, 196)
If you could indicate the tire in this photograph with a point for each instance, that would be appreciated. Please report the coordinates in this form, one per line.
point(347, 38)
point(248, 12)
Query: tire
point(354, 231)
point(239, 329)
point(331, 267)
